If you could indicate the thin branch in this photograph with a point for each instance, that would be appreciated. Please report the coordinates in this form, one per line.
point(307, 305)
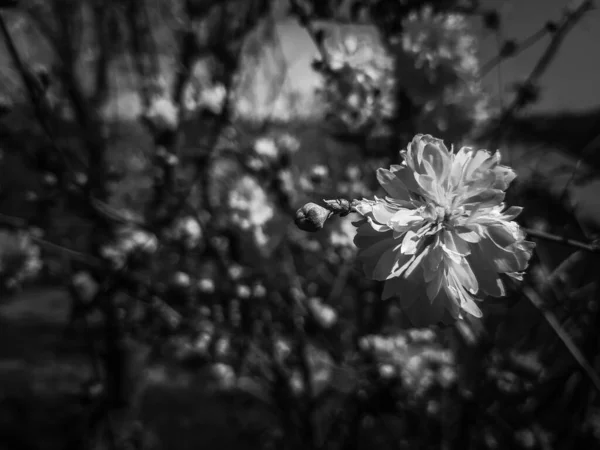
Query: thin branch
point(570, 18)
point(562, 334)
point(518, 49)
point(590, 247)
point(31, 89)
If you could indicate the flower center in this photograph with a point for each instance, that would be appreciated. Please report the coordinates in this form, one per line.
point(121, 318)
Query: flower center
point(446, 216)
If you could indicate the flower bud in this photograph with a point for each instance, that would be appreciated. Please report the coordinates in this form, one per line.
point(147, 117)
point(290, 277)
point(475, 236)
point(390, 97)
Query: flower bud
point(311, 217)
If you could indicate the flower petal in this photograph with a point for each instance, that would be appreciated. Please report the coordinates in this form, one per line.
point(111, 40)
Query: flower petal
point(392, 184)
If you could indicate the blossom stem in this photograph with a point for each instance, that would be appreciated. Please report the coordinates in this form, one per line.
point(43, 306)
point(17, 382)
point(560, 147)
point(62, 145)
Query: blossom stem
point(590, 247)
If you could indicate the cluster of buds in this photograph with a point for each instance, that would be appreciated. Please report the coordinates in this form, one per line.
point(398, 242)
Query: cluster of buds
point(438, 67)
point(358, 86)
point(415, 359)
point(130, 242)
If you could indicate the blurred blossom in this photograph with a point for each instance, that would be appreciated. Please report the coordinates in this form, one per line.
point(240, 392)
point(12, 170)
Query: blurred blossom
point(288, 143)
point(421, 335)
point(296, 383)
point(212, 98)
point(447, 376)
point(439, 69)
point(20, 258)
point(162, 113)
point(433, 407)
point(224, 374)
point(283, 350)
point(206, 285)
point(324, 314)
point(222, 347)
point(181, 279)
point(250, 207)
point(442, 236)
point(202, 344)
point(50, 179)
point(129, 241)
point(259, 290)
point(84, 285)
point(81, 178)
point(235, 271)
point(440, 39)
point(386, 371)
point(419, 365)
point(188, 231)
point(525, 438)
point(265, 147)
point(243, 291)
point(256, 164)
point(318, 173)
point(201, 91)
point(353, 172)
point(361, 90)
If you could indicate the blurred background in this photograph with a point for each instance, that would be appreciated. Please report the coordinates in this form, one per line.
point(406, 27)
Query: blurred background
point(154, 290)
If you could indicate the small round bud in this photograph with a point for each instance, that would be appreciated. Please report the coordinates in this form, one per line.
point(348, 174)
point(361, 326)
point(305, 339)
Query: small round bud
point(311, 217)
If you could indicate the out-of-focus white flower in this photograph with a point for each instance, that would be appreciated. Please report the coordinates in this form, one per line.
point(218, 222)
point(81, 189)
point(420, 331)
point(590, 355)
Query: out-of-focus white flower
point(441, 237)
point(224, 375)
point(206, 285)
point(213, 98)
point(188, 231)
point(439, 69)
point(163, 113)
point(243, 291)
point(128, 241)
point(259, 290)
point(181, 279)
point(210, 97)
point(361, 91)
point(50, 179)
point(283, 349)
point(387, 371)
point(250, 207)
point(318, 173)
point(440, 39)
point(287, 142)
point(266, 147)
point(324, 314)
point(235, 271)
point(84, 285)
point(20, 258)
